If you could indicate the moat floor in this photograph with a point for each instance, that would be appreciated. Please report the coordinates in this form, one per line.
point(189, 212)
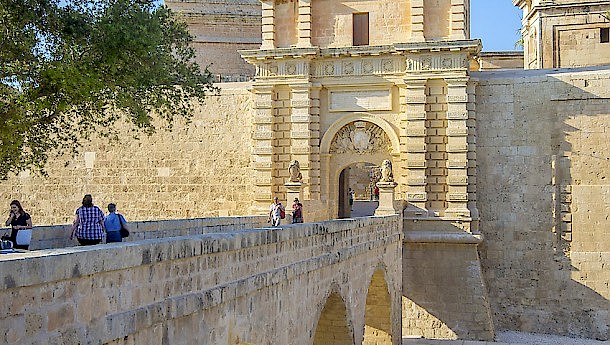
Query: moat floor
point(511, 338)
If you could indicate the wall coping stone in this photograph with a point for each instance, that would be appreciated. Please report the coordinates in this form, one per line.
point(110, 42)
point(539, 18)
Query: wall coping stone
point(48, 265)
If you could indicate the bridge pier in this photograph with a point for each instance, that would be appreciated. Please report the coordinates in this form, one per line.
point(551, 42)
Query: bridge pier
point(444, 294)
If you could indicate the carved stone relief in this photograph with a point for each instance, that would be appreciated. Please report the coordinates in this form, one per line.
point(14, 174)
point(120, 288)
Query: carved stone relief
point(436, 62)
point(360, 137)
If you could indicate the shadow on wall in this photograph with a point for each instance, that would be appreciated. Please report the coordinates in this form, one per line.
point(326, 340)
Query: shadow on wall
point(542, 196)
point(444, 296)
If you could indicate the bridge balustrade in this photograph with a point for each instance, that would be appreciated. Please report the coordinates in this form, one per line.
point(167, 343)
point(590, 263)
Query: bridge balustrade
point(226, 286)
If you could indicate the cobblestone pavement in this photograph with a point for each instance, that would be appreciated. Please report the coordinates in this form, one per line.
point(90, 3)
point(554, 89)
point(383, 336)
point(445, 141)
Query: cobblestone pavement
point(511, 338)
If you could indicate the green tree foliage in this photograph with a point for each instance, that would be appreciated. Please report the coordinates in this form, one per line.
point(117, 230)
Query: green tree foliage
point(71, 69)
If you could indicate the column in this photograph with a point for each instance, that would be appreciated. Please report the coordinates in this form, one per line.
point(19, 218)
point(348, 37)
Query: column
point(262, 152)
point(268, 24)
point(413, 146)
point(458, 20)
point(457, 148)
point(417, 21)
point(304, 24)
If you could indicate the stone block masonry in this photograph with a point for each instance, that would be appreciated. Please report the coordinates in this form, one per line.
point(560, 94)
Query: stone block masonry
point(58, 236)
point(261, 286)
point(196, 170)
point(543, 160)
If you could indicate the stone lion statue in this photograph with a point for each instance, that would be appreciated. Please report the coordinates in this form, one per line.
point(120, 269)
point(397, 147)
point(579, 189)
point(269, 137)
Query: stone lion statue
point(295, 171)
point(386, 171)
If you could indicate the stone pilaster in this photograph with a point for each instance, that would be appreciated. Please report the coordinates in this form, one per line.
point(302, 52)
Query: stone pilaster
point(458, 24)
point(417, 21)
point(304, 24)
point(268, 24)
point(413, 144)
point(262, 151)
point(457, 148)
point(314, 142)
point(472, 156)
point(302, 130)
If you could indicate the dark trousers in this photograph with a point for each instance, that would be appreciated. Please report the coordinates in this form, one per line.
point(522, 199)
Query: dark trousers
point(84, 242)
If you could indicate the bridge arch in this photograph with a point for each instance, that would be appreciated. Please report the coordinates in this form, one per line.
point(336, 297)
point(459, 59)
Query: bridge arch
point(378, 311)
point(333, 326)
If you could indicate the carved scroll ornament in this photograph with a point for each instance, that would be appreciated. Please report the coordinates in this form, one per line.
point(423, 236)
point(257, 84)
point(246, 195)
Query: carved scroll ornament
point(360, 137)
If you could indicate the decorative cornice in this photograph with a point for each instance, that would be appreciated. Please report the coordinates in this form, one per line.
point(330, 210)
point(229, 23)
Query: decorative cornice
point(472, 47)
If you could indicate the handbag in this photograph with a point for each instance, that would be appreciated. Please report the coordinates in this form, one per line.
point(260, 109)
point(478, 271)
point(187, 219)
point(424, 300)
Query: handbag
point(124, 232)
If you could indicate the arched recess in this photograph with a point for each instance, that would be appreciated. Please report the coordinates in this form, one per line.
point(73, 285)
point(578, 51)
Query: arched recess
point(333, 327)
point(354, 138)
point(377, 317)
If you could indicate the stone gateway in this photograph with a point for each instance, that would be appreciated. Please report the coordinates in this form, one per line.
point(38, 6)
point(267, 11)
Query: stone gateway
point(494, 193)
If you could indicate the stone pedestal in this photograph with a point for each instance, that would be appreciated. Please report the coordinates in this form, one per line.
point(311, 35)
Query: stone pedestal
point(386, 199)
point(293, 190)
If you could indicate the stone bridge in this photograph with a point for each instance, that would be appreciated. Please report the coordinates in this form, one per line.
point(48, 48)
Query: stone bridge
point(199, 282)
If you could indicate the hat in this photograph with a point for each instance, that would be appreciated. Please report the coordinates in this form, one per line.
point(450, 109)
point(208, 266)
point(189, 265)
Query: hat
point(296, 199)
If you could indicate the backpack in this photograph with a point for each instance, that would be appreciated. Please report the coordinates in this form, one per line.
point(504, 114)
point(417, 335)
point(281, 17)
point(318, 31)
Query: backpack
point(282, 213)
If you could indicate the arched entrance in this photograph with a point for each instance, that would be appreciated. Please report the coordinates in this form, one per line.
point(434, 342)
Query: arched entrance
point(359, 180)
point(354, 139)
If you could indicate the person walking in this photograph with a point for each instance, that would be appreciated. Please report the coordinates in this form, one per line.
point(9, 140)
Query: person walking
point(18, 219)
point(275, 212)
point(351, 194)
point(88, 226)
point(297, 211)
point(113, 223)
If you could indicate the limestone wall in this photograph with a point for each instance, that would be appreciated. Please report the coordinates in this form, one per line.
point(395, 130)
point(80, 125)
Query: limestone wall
point(332, 21)
point(543, 159)
point(264, 286)
point(220, 28)
point(202, 170)
point(499, 60)
point(565, 33)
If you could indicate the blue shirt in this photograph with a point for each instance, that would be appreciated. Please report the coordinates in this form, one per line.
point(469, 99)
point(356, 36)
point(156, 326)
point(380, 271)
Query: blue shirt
point(112, 222)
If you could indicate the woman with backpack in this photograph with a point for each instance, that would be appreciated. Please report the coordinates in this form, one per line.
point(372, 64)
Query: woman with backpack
point(297, 211)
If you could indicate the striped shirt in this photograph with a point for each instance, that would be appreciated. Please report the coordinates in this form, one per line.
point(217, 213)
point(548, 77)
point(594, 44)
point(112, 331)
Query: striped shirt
point(89, 223)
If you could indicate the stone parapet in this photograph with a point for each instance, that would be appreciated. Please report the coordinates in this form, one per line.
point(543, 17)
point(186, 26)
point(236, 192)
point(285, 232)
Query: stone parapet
point(238, 282)
point(47, 237)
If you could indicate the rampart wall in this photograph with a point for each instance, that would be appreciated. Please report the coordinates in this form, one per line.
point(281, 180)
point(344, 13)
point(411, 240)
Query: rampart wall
point(543, 158)
point(202, 170)
point(255, 286)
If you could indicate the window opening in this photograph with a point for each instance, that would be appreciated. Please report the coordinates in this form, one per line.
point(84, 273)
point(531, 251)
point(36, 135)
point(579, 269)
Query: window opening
point(361, 29)
point(604, 34)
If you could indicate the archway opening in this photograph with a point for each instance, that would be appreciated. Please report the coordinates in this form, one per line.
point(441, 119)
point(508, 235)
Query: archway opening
point(332, 326)
point(358, 195)
point(377, 317)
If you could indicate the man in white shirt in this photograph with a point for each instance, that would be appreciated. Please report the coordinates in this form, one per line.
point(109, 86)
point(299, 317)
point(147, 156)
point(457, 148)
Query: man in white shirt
point(275, 212)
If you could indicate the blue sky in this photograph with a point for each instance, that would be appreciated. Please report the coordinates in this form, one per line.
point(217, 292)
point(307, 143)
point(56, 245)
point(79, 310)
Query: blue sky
point(496, 23)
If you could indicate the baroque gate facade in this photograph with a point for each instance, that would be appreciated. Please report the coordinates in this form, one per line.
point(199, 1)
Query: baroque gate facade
point(340, 82)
